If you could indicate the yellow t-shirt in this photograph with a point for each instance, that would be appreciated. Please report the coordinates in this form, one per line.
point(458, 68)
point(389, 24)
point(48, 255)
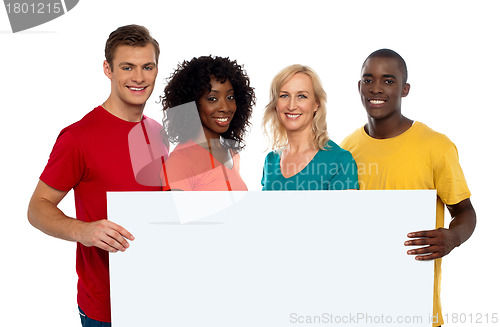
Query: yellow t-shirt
point(419, 158)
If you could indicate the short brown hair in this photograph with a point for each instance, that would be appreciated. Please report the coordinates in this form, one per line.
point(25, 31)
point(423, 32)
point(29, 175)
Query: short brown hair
point(131, 35)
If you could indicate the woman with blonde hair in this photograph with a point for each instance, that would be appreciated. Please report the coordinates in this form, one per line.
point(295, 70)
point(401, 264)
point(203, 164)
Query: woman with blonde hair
point(303, 156)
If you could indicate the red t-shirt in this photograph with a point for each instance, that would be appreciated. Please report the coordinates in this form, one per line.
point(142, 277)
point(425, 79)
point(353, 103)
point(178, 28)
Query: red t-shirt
point(93, 156)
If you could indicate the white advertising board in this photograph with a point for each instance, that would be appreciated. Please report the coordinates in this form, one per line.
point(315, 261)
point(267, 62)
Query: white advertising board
point(270, 259)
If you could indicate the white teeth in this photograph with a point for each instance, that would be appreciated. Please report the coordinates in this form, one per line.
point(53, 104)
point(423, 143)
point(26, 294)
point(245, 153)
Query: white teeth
point(377, 101)
point(222, 119)
point(136, 88)
point(292, 115)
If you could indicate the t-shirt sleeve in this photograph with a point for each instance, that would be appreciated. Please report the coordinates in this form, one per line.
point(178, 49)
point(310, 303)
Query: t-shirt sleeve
point(348, 141)
point(345, 144)
point(263, 179)
point(346, 176)
point(66, 165)
point(269, 171)
point(449, 178)
point(165, 186)
point(180, 174)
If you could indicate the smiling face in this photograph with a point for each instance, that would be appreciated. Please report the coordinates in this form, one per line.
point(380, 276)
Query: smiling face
point(132, 76)
point(297, 103)
point(217, 108)
point(382, 87)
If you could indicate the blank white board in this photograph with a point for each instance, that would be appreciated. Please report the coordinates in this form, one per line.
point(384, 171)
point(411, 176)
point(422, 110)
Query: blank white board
point(270, 259)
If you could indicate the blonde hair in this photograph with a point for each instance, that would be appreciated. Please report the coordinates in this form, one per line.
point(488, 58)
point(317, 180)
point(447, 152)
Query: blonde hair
point(273, 128)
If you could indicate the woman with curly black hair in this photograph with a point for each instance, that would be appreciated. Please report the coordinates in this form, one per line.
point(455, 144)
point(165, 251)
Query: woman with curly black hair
point(207, 104)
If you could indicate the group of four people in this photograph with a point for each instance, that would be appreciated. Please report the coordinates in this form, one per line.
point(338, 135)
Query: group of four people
point(207, 103)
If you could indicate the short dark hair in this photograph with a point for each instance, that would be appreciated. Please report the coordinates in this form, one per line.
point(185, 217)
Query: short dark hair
point(388, 53)
point(131, 35)
point(191, 80)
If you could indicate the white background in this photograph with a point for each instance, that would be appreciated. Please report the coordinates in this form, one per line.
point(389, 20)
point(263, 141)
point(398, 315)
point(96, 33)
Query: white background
point(52, 76)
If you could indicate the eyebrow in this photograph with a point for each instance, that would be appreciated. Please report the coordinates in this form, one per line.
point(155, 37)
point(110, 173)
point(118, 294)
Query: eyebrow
point(385, 76)
point(217, 91)
point(389, 76)
point(297, 92)
point(131, 64)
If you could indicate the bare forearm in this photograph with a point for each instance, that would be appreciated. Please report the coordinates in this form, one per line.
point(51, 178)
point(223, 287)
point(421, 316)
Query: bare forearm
point(48, 218)
point(44, 214)
point(463, 220)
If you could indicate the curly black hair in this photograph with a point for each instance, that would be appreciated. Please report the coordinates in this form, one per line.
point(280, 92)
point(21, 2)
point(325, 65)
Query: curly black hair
point(190, 81)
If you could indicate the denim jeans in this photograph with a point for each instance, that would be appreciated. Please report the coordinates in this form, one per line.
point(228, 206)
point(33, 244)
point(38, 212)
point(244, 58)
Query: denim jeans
point(88, 322)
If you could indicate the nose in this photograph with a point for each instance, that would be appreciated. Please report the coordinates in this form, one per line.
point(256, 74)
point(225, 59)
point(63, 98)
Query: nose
point(138, 76)
point(376, 88)
point(224, 106)
point(292, 104)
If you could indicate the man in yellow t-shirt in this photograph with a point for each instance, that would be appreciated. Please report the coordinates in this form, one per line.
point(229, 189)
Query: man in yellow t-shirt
point(394, 153)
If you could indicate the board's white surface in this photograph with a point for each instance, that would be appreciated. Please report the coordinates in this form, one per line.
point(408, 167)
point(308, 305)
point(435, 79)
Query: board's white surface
point(270, 258)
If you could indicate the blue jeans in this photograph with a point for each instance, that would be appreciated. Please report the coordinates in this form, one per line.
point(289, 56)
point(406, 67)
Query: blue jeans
point(88, 322)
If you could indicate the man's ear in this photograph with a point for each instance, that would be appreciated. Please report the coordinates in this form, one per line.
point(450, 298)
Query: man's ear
point(107, 68)
point(406, 90)
point(359, 86)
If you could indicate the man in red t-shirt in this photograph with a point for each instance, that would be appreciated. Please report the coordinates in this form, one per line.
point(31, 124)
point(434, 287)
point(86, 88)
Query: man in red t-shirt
point(93, 156)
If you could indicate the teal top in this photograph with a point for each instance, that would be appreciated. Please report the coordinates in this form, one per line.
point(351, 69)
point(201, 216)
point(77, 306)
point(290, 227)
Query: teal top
point(330, 169)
